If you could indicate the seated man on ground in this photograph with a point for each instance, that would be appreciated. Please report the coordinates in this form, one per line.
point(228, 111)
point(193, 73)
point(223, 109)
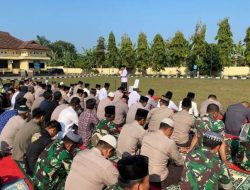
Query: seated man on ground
point(183, 122)
point(156, 115)
point(23, 137)
point(133, 173)
point(68, 118)
point(133, 108)
point(193, 110)
point(206, 123)
point(91, 169)
point(203, 167)
point(165, 161)
point(53, 164)
point(87, 121)
point(36, 148)
point(130, 138)
point(12, 127)
point(236, 117)
point(107, 124)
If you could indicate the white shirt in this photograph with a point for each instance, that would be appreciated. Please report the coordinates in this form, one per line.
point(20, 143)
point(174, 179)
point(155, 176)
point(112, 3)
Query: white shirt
point(193, 110)
point(13, 99)
point(67, 118)
point(86, 90)
point(124, 75)
point(97, 93)
point(171, 105)
point(133, 98)
point(103, 94)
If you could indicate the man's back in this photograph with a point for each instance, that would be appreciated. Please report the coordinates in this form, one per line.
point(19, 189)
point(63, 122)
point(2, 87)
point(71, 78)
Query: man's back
point(159, 148)
point(156, 115)
point(183, 122)
point(203, 109)
point(10, 130)
point(34, 150)
point(204, 170)
point(101, 108)
point(57, 111)
point(236, 116)
point(90, 170)
point(23, 139)
point(131, 135)
point(121, 110)
point(132, 112)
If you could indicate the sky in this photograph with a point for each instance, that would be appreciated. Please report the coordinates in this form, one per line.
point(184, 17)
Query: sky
point(81, 22)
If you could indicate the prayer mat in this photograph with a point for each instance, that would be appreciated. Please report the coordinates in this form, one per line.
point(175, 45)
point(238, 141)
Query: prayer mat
point(20, 184)
point(11, 172)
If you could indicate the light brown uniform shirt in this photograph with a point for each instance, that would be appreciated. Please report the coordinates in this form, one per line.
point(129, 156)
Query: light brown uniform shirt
point(183, 122)
point(156, 115)
point(37, 103)
point(132, 111)
point(131, 135)
point(91, 171)
point(101, 108)
point(159, 149)
point(121, 110)
point(30, 99)
point(65, 98)
point(10, 130)
point(57, 111)
point(203, 110)
point(118, 95)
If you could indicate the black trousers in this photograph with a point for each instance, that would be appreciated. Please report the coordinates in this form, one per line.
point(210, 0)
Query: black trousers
point(124, 85)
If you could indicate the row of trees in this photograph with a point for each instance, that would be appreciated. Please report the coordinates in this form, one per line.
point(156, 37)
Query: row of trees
point(178, 51)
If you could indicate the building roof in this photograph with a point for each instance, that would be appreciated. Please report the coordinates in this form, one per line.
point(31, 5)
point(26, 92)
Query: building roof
point(10, 42)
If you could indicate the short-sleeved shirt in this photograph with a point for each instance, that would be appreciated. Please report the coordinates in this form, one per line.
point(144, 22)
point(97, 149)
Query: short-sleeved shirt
point(52, 166)
point(204, 170)
point(4, 117)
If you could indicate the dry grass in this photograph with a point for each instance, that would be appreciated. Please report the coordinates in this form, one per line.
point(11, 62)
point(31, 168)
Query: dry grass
point(227, 91)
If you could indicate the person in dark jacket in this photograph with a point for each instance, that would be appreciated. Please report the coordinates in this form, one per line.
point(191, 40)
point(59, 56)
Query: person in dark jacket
point(36, 148)
point(50, 103)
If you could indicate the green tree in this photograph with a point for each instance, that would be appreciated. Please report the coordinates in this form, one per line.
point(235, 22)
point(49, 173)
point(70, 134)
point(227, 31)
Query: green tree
point(88, 59)
point(142, 53)
point(198, 51)
point(112, 57)
point(247, 50)
point(127, 52)
point(42, 40)
point(158, 53)
point(178, 50)
point(62, 54)
point(238, 54)
point(224, 42)
point(100, 52)
point(212, 64)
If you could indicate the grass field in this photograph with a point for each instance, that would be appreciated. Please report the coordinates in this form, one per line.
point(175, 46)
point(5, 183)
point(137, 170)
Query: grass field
point(227, 91)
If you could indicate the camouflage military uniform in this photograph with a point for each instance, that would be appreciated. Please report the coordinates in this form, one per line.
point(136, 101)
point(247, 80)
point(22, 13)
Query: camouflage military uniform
point(108, 126)
point(52, 167)
point(114, 187)
point(204, 170)
point(237, 151)
point(208, 123)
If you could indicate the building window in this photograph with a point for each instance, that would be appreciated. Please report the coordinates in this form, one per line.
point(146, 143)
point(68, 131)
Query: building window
point(42, 65)
point(16, 64)
point(3, 64)
point(31, 65)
